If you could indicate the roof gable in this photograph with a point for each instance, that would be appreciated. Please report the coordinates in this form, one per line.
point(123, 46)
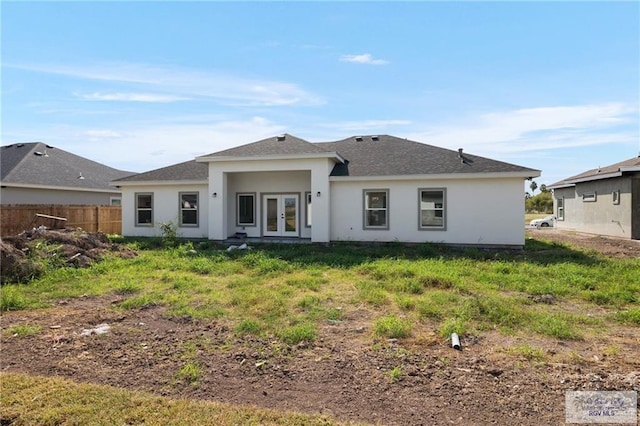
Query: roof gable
point(280, 145)
point(38, 164)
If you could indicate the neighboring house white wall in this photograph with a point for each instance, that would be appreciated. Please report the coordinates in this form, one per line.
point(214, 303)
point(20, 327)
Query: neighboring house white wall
point(299, 175)
point(477, 211)
point(598, 214)
point(15, 195)
point(166, 208)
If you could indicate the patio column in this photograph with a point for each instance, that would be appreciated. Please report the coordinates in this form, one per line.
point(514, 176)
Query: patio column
point(217, 202)
point(321, 203)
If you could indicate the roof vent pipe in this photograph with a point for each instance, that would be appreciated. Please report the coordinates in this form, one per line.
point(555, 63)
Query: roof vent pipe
point(460, 152)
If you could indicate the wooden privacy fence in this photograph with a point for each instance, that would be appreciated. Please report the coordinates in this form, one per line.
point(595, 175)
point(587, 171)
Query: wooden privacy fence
point(18, 218)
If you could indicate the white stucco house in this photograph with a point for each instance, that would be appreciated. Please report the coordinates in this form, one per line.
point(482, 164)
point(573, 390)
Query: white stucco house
point(363, 188)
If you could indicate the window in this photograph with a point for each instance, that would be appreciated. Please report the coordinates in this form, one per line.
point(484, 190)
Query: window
point(560, 208)
point(432, 208)
point(246, 210)
point(115, 201)
point(376, 209)
point(188, 208)
point(615, 195)
point(589, 197)
point(144, 209)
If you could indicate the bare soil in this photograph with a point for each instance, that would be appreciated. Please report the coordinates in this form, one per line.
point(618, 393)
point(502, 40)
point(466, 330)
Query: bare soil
point(342, 374)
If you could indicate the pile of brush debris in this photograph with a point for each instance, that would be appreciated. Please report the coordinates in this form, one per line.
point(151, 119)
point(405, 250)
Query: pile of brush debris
point(25, 256)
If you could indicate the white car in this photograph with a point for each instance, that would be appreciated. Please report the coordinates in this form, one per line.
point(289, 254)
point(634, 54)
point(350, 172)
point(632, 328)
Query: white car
point(545, 222)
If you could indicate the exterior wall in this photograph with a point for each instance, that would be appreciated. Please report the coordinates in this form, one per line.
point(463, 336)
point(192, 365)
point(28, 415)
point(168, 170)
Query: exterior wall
point(268, 176)
point(165, 209)
point(12, 195)
point(601, 216)
point(635, 208)
point(478, 212)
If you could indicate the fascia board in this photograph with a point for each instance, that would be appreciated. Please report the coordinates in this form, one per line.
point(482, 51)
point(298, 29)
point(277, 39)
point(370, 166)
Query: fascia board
point(219, 159)
point(441, 176)
point(56, 188)
point(159, 182)
point(595, 177)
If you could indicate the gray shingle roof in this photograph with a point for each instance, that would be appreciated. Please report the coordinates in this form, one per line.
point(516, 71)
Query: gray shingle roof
point(382, 155)
point(36, 163)
point(598, 173)
point(386, 155)
point(189, 170)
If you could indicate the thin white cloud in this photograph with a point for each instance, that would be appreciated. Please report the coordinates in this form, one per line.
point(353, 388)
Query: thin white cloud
point(101, 134)
point(365, 125)
point(532, 129)
point(365, 58)
point(130, 97)
point(149, 146)
point(183, 82)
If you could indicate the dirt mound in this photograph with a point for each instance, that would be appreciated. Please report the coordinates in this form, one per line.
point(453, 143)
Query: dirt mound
point(26, 255)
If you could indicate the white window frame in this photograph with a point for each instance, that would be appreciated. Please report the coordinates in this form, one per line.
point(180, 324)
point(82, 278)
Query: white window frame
point(140, 209)
point(183, 207)
point(115, 201)
point(442, 208)
point(589, 197)
point(253, 197)
point(366, 208)
point(560, 208)
point(615, 196)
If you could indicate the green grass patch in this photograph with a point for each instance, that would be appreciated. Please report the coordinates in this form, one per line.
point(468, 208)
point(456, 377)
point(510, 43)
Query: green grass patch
point(392, 327)
point(191, 372)
point(23, 330)
point(304, 332)
point(396, 374)
point(291, 290)
point(527, 352)
point(55, 401)
point(629, 316)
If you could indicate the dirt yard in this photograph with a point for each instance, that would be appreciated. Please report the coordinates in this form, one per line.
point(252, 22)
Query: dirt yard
point(341, 374)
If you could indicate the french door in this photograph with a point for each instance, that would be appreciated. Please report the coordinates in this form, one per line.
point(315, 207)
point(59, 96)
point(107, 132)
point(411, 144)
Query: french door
point(280, 215)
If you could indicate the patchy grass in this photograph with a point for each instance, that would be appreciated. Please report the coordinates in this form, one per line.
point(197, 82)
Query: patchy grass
point(289, 291)
point(392, 327)
point(23, 330)
point(527, 352)
point(54, 401)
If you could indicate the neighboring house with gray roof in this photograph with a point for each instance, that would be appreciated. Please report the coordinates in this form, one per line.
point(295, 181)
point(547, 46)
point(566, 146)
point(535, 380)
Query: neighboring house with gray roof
point(36, 173)
point(604, 200)
point(363, 188)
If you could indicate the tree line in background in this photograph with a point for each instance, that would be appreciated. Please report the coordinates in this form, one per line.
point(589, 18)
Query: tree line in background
point(540, 203)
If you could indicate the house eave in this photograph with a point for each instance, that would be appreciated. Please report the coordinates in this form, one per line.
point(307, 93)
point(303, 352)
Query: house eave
point(441, 176)
point(561, 186)
point(56, 188)
point(218, 159)
point(157, 182)
point(595, 177)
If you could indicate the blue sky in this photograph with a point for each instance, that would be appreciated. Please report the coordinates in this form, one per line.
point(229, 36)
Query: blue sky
point(141, 85)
